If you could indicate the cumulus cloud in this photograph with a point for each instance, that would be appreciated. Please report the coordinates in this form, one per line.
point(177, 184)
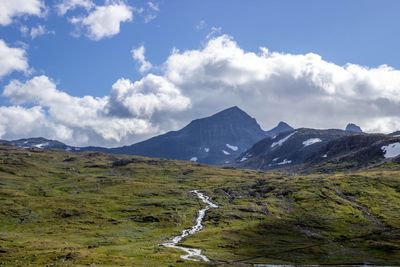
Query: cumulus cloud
point(145, 97)
point(12, 59)
point(17, 121)
point(9, 9)
point(302, 89)
point(123, 117)
point(67, 5)
point(138, 55)
point(104, 21)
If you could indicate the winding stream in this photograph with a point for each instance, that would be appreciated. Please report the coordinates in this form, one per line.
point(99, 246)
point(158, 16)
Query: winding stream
point(192, 253)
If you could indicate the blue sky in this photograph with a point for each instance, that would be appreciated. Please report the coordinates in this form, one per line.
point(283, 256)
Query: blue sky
point(365, 32)
point(362, 32)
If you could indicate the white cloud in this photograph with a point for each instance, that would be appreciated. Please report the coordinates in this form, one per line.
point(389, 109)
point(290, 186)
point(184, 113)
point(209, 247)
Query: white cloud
point(201, 25)
point(123, 117)
point(16, 120)
point(9, 9)
point(215, 31)
point(35, 32)
point(153, 6)
point(151, 12)
point(39, 31)
point(145, 97)
point(104, 21)
point(12, 59)
point(302, 89)
point(138, 55)
point(67, 5)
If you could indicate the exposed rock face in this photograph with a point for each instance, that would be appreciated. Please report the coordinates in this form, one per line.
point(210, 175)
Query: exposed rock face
point(217, 139)
point(351, 127)
point(280, 128)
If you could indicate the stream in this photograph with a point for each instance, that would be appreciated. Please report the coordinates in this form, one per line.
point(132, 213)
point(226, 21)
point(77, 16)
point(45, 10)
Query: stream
point(192, 253)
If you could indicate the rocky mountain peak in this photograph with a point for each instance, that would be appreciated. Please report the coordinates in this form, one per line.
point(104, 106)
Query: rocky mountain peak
point(280, 128)
point(351, 127)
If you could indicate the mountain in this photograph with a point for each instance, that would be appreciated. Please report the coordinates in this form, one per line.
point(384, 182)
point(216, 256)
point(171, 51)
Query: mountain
point(39, 143)
point(351, 127)
point(304, 149)
point(217, 139)
point(280, 128)
point(395, 134)
point(287, 149)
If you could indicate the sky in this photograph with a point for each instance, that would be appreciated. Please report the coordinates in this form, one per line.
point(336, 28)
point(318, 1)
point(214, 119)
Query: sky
point(114, 72)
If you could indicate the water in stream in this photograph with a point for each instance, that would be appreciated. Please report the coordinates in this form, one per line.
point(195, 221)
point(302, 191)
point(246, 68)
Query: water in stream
point(192, 253)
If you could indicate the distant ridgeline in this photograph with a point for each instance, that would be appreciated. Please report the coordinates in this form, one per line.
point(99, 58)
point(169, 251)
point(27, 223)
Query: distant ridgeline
point(233, 138)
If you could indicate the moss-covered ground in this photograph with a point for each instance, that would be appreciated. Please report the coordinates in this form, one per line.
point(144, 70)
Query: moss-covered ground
point(66, 209)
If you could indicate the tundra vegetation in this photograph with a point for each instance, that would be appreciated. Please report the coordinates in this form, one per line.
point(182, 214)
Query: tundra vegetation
point(74, 209)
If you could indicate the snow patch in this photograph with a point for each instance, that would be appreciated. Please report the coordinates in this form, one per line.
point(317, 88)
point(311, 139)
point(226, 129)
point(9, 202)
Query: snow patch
point(246, 157)
point(226, 152)
point(41, 145)
point(391, 150)
point(234, 148)
point(194, 159)
point(311, 141)
point(275, 159)
point(206, 149)
point(283, 140)
point(285, 161)
point(325, 156)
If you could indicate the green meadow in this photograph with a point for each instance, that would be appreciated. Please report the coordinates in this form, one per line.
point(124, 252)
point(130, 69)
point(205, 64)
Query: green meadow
point(92, 209)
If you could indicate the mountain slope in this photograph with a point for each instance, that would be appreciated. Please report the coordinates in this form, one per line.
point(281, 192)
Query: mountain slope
point(217, 139)
point(39, 143)
point(282, 127)
point(309, 148)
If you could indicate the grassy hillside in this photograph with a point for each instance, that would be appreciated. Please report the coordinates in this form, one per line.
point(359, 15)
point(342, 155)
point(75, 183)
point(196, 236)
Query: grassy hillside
point(64, 209)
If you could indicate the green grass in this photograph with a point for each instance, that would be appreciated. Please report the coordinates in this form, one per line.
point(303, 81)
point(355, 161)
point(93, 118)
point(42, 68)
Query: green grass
point(64, 209)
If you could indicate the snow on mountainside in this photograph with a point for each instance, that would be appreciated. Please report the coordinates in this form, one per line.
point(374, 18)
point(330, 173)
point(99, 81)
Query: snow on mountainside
point(217, 139)
point(39, 143)
point(391, 150)
point(234, 148)
point(232, 137)
point(308, 148)
point(283, 140)
point(311, 141)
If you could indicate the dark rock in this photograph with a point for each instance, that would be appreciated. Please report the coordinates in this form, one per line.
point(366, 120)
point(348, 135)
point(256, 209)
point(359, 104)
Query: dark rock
point(63, 213)
point(70, 159)
point(282, 127)
point(144, 219)
point(351, 127)
point(203, 140)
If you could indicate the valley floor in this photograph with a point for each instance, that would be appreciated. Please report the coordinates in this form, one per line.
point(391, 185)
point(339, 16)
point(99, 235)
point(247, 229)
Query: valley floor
point(75, 209)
